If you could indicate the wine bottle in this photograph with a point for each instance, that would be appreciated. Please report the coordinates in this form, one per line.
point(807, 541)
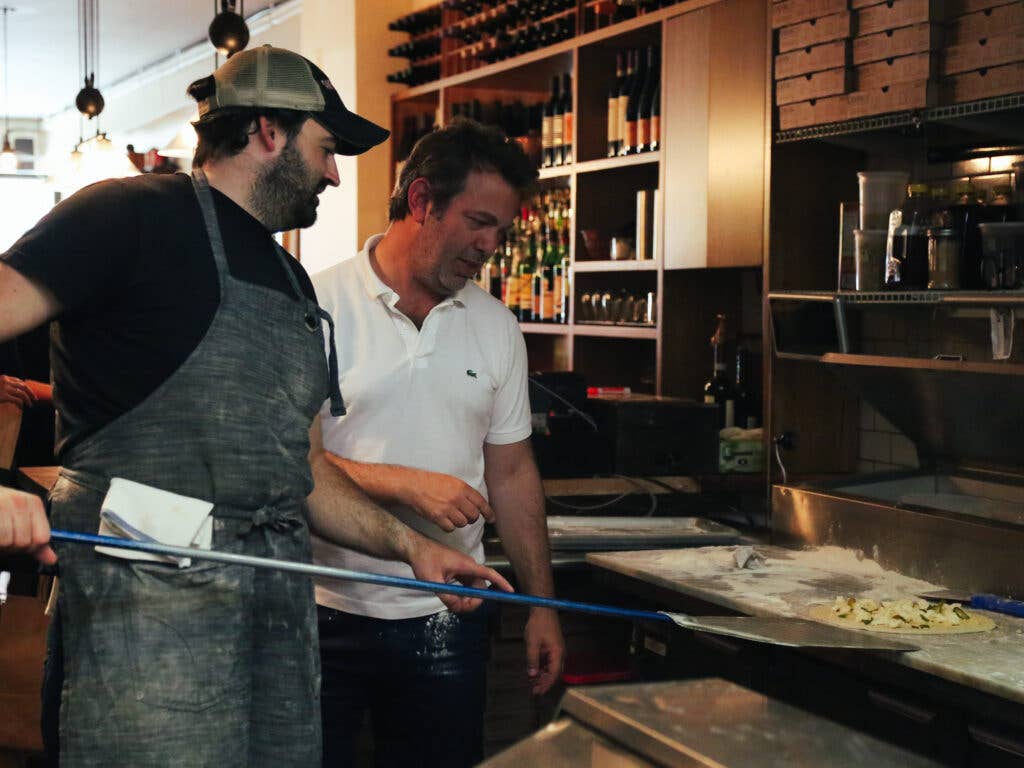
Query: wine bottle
point(613, 106)
point(647, 101)
point(717, 390)
point(633, 107)
point(557, 122)
point(627, 86)
point(548, 126)
point(655, 143)
point(567, 119)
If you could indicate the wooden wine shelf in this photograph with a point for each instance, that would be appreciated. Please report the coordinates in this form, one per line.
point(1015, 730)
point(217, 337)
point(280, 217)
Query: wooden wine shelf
point(625, 265)
point(563, 47)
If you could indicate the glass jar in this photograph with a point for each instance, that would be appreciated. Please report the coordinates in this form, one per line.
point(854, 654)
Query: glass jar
point(943, 259)
point(906, 252)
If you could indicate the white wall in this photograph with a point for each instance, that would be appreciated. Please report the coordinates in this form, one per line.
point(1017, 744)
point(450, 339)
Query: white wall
point(349, 39)
point(148, 110)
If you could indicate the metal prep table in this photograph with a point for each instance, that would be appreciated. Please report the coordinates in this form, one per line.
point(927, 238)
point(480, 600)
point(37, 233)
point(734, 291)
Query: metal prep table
point(707, 722)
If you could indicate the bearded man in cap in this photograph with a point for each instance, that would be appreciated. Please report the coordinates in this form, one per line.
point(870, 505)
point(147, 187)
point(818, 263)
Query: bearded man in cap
point(189, 363)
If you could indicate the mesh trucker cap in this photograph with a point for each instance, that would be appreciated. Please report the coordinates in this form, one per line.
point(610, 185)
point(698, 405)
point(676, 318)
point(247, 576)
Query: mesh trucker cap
point(280, 79)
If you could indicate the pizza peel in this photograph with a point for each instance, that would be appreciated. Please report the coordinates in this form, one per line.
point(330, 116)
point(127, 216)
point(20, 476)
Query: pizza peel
point(791, 632)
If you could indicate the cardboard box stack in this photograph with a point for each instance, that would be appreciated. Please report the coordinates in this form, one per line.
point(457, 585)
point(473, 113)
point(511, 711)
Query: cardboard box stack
point(845, 59)
point(984, 53)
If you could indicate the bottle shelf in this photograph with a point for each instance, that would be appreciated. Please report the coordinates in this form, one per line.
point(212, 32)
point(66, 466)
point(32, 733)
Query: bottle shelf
point(556, 172)
point(548, 329)
point(612, 331)
point(625, 265)
point(609, 163)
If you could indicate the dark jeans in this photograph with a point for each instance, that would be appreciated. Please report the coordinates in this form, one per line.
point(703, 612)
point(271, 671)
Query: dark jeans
point(423, 682)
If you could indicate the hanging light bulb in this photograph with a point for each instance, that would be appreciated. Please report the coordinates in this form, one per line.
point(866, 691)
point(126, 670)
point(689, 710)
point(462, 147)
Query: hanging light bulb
point(8, 158)
point(228, 31)
point(89, 100)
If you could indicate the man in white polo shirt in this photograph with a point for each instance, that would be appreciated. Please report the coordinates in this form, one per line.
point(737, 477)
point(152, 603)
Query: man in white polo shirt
point(438, 431)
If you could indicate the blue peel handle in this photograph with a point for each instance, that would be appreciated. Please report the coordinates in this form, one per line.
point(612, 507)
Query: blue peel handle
point(998, 604)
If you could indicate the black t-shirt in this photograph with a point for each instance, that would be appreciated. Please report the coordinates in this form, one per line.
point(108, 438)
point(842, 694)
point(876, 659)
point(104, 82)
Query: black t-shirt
point(131, 265)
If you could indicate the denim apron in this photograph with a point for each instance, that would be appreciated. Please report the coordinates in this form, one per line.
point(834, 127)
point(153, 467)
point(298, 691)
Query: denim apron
point(212, 665)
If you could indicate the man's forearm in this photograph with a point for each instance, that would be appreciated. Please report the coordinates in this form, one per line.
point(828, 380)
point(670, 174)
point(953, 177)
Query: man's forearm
point(340, 512)
point(384, 483)
point(518, 502)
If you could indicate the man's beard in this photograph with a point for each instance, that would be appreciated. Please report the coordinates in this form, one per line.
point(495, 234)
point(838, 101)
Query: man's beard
point(284, 197)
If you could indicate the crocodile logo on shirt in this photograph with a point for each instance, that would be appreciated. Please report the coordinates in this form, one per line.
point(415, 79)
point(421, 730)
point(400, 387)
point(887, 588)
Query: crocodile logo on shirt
point(471, 373)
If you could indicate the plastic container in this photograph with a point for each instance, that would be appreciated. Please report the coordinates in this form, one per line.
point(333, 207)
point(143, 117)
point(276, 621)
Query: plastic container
point(881, 192)
point(1002, 259)
point(869, 255)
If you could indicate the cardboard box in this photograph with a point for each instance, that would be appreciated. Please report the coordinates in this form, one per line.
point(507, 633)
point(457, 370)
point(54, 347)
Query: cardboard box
point(813, 86)
point(899, 13)
point(897, 42)
point(960, 7)
point(816, 31)
point(794, 11)
point(1004, 20)
point(983, 83)
point(904, 69)
point(831, 109)
point(878, 101)
point(985, 52)
point(817, 58)
point(898, 97)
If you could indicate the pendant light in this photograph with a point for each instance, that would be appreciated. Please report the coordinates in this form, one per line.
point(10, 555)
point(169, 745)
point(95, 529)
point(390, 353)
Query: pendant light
point(89, 100)
point(228, 31)
point(8, 158)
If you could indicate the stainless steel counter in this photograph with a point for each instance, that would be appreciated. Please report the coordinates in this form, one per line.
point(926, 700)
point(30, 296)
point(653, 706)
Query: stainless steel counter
point(695, 723)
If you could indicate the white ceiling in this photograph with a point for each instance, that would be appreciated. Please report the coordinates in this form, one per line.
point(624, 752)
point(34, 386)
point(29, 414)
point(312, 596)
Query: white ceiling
point(44, 42)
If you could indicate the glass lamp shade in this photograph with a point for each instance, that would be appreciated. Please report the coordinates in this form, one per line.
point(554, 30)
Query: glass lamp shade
point(8, 158)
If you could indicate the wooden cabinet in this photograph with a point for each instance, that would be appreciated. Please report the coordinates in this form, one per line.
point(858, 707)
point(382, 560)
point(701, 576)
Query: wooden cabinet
point(710, 173)
point(715, 132)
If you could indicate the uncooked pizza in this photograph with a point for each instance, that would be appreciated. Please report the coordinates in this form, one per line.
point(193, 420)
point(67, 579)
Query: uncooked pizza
point(914, 616)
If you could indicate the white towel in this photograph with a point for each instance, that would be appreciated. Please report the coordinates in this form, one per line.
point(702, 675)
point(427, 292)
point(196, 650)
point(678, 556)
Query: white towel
point(164, 516)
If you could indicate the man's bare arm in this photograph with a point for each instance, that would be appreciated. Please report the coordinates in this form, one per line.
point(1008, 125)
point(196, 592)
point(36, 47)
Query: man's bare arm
point(340, 512)
point(517, 496)
point(24, 304)
point(444, 500)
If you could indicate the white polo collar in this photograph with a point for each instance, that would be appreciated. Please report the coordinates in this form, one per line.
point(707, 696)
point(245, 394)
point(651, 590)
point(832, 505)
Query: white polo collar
point(377, 289)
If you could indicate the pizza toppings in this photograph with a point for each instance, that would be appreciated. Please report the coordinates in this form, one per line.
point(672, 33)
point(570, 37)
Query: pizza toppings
point(913, 614)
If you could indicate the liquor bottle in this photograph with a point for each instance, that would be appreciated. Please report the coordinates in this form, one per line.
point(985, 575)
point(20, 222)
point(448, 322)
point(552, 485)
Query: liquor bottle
point(557, 124)
point(650, 87)
point(527, 268)
point(624, 91)
point(636, 88)
point(567, 119)
point(717, 390)
point(613, 106)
